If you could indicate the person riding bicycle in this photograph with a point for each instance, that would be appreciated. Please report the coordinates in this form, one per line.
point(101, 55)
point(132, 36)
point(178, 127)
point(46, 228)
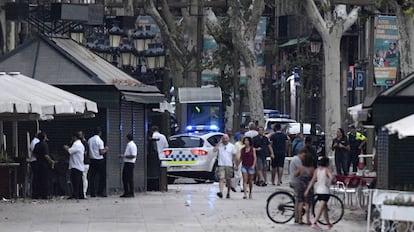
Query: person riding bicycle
point(323, 177)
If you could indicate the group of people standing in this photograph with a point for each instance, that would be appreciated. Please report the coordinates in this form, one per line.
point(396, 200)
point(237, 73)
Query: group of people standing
point(245, 161)
point(347, 147)
point(86, 164)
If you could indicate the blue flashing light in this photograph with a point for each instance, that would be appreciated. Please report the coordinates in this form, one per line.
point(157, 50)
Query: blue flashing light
point(199, 128)
point(214, 128)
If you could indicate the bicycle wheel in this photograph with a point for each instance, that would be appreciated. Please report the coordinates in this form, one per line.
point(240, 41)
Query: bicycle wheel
point(280, 207)
point(335, 209)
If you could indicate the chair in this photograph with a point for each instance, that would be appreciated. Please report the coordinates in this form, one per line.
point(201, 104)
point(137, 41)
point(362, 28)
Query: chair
point(349, 186)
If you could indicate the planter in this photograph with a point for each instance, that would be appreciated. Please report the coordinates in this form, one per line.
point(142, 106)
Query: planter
point(397, 213)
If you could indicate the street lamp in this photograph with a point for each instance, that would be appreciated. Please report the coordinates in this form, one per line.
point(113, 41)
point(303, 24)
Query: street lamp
point(151, 55)
point(139, 37)
point(149, 36)
point(115, 34)
point(76, 33)
point(126, 52)
point(315, 43)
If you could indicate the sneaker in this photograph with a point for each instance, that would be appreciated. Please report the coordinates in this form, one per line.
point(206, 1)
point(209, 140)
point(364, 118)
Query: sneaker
point(233, 189)
point(219, 194)
point(315, 226)
point(228, 196)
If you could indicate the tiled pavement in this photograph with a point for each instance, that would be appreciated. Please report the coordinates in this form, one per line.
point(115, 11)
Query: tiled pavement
point(185, 207)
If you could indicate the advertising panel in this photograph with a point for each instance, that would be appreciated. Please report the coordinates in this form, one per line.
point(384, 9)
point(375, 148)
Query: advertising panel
point(386, 54)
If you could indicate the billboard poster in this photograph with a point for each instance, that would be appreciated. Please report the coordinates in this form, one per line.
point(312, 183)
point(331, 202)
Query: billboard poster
point(386, 54)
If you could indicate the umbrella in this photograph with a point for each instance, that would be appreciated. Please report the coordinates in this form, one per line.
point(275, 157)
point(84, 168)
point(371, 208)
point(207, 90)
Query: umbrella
point(404, 127)
point(354, 111)
point(21, 95)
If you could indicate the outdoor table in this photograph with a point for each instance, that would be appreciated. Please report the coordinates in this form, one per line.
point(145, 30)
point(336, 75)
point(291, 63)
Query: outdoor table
point(12, 167)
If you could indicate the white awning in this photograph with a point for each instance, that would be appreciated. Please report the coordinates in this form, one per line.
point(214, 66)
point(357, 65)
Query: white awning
point(403, 127)
point(22, 95)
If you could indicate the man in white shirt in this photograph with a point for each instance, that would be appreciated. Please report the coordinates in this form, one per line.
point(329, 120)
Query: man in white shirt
point(34, 167)
point(97, 166)
point(76, 165)
point(226, 154)
point(160, 139)
point(129, 158)
point(252, 132)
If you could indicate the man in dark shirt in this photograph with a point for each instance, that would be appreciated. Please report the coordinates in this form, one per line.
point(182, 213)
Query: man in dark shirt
point(311, 150)
point(280, 142)
point(262, 146)
point(356, 142)
point(45, 163)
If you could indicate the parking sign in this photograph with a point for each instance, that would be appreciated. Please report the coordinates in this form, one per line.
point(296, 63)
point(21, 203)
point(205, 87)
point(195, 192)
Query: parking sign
point(359, 80)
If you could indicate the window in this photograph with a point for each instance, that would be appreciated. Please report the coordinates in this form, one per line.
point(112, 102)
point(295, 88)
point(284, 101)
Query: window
point(213, 140)
point(186, 142)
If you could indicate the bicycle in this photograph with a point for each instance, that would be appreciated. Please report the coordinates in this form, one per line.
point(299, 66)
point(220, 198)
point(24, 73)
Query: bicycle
point(280, 208)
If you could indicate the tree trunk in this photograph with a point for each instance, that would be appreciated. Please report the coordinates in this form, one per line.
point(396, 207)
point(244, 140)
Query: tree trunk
point(236, 91)
point(406, 47)
point(332, 88)
point(254, 90)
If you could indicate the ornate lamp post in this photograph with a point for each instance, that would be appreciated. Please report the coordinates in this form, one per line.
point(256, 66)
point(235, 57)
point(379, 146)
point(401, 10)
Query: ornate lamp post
point(115, 34)
point(315, 47)
point(139, 37)
point(126, 51)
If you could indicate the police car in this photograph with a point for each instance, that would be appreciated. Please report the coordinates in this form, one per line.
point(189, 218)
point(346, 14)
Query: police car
point(191, 154)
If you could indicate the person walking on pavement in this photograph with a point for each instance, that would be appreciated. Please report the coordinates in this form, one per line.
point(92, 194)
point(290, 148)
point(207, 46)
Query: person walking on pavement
point(226, 154)
point(248, 159)
point(252, 132)
point(311, 150)
point(322, 178)
point(238, 176)
point(45, 164)
point(356, 142)
point(97, 166)
point(239, 134)
point(76, 165)
point(129, 157)
point(341, 147)
point(161, 141)
point(86, 163)
point(280, 142)
point(263, 147)
point(297, 144)
point(34, 167)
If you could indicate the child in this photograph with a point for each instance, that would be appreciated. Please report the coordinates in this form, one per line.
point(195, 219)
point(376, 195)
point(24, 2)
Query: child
point(322, 176)
point(305, 174)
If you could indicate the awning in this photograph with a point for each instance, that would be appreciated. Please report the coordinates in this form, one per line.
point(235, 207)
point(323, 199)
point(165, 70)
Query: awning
point(21, 95)
point(292, 42)
point(403, 127)
point(144, 98)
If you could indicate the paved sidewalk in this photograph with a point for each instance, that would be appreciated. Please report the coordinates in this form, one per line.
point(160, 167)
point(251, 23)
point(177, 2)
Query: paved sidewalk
point(185, 207)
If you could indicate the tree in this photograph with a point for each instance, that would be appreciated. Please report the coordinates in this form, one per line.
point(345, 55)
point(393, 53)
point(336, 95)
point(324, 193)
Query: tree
point(243, 19)
point(331, 21)
point(182, 52)
point(404, 10)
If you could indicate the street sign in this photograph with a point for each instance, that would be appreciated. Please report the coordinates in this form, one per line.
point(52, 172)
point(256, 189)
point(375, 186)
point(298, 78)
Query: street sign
point(282, 82)
point(296, 75)
point(359, 80)
point(349, 81)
